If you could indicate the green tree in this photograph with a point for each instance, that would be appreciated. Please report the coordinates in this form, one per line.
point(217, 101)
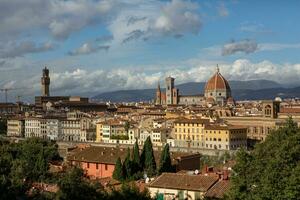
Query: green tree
point(73, 186)
point(165, 164)
point(118, 173)
point(127, 166)
point(129, 192)
point(148, 159)
point(271, 170)
point(136, 157)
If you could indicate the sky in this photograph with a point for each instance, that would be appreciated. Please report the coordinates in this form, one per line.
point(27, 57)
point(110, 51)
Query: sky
point(94, 46)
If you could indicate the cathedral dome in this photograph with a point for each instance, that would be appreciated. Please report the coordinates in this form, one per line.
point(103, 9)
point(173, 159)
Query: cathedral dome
point(217, 82)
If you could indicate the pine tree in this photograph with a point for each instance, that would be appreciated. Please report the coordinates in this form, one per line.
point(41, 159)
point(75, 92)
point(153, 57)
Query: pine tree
point(147, 158)
point(118, 173)
point(165, 164)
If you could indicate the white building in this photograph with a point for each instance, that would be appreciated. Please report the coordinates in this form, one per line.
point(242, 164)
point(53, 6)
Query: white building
point(33, 127)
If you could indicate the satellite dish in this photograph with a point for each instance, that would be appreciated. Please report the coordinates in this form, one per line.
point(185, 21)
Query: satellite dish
point(196, 171)
point(147, 180)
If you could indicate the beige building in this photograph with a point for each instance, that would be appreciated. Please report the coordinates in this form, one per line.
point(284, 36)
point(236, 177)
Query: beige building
point(159, 136)
point(87, 129)
point(15, 127)
point(108, 129)
point(260, 126)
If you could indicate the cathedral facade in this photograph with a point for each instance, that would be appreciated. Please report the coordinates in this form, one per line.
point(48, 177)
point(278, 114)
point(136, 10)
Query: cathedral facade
point(217, 92)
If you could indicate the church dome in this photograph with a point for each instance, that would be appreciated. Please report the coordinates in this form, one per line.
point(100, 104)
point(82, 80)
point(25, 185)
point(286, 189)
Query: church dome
point(217, 82)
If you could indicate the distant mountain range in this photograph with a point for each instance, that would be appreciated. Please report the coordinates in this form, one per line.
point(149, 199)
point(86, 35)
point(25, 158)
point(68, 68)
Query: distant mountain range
point(241, 90)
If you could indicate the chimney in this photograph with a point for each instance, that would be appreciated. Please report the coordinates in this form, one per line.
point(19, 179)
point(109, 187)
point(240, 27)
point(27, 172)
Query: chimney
point(102, 153)
point(225, 174)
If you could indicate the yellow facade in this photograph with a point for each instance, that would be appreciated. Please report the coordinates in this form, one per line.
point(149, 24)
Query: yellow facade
point(99, 133)
point(189, 129)
point(225, 137)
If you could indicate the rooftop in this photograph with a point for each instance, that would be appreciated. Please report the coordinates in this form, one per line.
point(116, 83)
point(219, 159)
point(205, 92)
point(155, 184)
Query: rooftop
point(109, 155)
point(184, 182)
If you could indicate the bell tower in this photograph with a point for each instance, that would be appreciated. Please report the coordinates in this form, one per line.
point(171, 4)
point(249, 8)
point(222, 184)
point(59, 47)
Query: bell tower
point(45, 82)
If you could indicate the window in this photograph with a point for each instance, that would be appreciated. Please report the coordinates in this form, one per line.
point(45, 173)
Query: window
point(97, 166)
point(106, 167)
point(88, 165)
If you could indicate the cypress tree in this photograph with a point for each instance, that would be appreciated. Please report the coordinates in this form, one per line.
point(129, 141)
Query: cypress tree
point(165, 164)
point(136, 155)
point(147, 158)
point(118, 173)
point(127, 166)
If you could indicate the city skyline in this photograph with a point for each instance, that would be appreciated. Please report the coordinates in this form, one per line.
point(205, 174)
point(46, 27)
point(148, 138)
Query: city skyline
point(98, 46)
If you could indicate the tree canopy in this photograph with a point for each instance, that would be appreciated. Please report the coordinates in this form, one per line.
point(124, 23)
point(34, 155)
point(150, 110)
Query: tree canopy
point(271, 170)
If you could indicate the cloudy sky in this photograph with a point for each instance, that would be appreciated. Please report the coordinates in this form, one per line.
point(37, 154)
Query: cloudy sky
point(94, 46)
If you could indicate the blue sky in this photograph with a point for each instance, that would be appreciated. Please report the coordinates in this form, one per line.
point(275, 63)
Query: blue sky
point(95, 46)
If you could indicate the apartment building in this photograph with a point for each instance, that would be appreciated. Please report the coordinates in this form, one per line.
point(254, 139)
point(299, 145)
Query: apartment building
point(189, 132)
point(225, 137)
point(107, 129)
point(33, 127)
point(71, 129)
point(15, 127)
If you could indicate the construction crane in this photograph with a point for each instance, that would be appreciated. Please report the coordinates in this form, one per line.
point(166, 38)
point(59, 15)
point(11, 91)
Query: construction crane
point(5, 90)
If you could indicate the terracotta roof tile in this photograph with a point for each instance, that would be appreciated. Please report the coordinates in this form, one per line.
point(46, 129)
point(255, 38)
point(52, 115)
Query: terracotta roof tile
point(219, 189)
point(184, 181)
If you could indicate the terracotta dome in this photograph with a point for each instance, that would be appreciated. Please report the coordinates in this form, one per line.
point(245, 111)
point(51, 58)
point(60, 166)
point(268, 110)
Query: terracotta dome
point(217, 82)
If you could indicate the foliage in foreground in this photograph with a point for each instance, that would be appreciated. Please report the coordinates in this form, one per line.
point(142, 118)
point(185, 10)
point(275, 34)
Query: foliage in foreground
point(272, 170)
point(23, 163)
point(27, 162)
point(74, 186)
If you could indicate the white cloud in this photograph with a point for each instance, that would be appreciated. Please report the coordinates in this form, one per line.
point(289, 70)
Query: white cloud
point(254, 27)
point(82, 81)
point(152, 19)
point(246, 46)
point(12, 49)
point(88, 48)
point(277, 46)
point(61, 17)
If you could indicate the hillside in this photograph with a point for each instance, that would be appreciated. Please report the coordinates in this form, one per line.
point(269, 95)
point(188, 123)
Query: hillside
point(241, 90)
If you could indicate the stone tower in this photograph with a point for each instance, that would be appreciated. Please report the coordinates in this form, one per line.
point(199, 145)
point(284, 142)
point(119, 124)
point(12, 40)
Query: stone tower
point(169, 90)
point(270, 108)
point(45, 82)
point(158, 95)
